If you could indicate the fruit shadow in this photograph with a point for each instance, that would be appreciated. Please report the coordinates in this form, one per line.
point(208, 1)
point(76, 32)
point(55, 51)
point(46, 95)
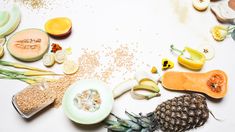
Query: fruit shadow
point(190, 92)
point(86, 128)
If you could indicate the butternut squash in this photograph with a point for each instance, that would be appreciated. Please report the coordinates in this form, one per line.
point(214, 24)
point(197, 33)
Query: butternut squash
point(212, 83)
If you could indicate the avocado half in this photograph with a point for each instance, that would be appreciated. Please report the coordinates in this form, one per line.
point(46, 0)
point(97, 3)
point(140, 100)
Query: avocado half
point(80, 115)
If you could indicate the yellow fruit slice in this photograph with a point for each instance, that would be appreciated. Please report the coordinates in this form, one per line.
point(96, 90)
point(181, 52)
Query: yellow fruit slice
point(70, 67)
point(58, 27)
point(201, 5)
point(1, 51)
point(48, 59)
point(2, 41)
point(60, 56)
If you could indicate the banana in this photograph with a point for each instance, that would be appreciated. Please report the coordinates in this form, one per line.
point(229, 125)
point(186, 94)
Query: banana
point(146, 87)
point(4, 17)
point(201, 5)
point(12, 23)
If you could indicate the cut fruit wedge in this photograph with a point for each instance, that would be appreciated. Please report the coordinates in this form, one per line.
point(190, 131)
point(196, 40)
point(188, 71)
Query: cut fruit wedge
point(70, 67)
point(4, 17)
point(207, 50)
point(2, 41)
point(1, 51)
point(60, 56)
point(201, 5)
point(48, 59)
point(58, 27)
point(12, 23)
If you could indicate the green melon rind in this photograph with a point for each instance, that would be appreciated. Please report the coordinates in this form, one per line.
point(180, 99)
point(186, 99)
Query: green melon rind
point(4, 17)
point(12, 23)
point(88, 118)
point(32, 58)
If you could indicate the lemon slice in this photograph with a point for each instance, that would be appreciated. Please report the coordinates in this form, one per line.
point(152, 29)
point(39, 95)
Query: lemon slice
point(70, 67)
point(48, 59)
point(207, 50)
point(201, 5)
point(1, 51)
point(60, 56)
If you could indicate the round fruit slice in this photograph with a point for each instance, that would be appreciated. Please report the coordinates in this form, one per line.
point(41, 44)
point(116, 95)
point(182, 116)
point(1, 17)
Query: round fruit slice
point(87, 101)
point(207, 50)
point(201, 5)
point(58, 27)
point(48, 59)
point(70, 67)
point(1, 51)
point(4, 17)
point(2, 41)
point(28, 44)
point(60, 56)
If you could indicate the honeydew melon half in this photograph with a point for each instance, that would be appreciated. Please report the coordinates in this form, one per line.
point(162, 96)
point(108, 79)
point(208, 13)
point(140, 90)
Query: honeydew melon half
point(28, 45)
point(87, 101)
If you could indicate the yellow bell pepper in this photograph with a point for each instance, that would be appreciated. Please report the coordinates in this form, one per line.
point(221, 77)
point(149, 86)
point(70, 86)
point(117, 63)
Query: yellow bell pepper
point(194, 61)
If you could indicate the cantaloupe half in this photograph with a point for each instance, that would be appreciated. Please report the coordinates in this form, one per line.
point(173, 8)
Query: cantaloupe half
point(58, 27)
point(28, 45)
point(212, 83)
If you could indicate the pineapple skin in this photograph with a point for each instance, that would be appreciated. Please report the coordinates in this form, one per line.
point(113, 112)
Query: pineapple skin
point(175, 115)
point(182, 113)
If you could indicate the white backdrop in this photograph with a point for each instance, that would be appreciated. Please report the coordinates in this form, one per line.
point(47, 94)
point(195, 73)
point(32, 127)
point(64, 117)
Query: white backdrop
point(151, 24)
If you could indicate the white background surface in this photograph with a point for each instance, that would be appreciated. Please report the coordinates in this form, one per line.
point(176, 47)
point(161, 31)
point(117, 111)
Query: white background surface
point(151, 24)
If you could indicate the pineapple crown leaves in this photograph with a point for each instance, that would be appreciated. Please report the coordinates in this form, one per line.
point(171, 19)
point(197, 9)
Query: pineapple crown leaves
point(134, 123)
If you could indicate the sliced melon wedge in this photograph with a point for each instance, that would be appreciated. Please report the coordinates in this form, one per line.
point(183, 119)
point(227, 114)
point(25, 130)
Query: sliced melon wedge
point(58, 27)
point(4, 17)
point(12, 23)
point(28, 44)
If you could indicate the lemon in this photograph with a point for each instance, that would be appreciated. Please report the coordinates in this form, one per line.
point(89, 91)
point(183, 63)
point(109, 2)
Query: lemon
point(70, 67)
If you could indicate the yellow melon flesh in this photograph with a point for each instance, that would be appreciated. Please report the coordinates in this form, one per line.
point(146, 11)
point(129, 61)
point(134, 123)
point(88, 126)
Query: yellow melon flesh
point(58, 27)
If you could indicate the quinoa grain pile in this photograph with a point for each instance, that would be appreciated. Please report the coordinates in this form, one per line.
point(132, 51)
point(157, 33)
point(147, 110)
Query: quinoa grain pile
point(100, 65)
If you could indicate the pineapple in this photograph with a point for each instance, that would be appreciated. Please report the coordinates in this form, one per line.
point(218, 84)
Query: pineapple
point(175, 115)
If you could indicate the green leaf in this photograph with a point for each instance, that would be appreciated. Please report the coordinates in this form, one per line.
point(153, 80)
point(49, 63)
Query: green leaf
point(233, 34)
